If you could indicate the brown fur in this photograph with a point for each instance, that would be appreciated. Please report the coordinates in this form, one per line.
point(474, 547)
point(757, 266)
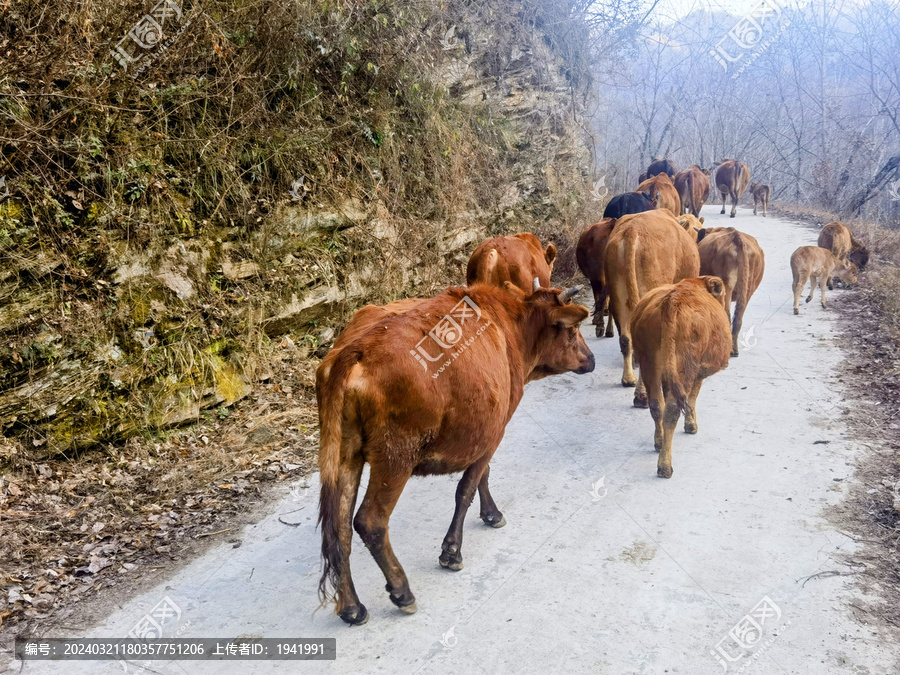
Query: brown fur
point(760, 197)
point(693, 189)
point(377, 404)
point(739, 261)
point(646, 250)
point(590, 254)
point(662, 192)
point(818, 264)
point(836, 237)
point(681, 336)
point(519, 259)
point(732, 178)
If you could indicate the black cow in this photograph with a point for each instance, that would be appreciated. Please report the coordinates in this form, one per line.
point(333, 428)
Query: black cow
point(629, 202)
point(659, 166)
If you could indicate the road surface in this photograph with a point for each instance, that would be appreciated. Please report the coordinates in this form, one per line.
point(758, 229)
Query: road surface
point(603, 567)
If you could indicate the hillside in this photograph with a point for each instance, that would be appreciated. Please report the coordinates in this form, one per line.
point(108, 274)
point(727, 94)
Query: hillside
point(253, 171)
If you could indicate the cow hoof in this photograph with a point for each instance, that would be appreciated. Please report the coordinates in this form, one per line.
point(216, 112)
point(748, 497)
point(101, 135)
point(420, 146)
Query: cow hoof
point(664, 471)
point(640, 401)
point(732, 215)
point(598, 330)
point(627, 383)
point(796, 311)
point(809, 298)
point(409, 609)
point(609, 333)
point(455, 565)
point(735, 353)
point(355, 617)
point(493, 522)
point(690, 428)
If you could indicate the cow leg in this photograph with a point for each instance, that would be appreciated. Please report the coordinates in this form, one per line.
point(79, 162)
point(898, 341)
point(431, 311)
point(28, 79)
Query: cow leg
point(371, 522)
point(734, 201)
point(765, 208)
point(736, 324)
point(349, 608)
point(490, 514)
point(640, 393)
point(813, 280)
point(822, 282)
point(622, 323)
point(754, 206)
point(724, 197)
point(655, 401)
point(671, 415)
point(451, 549)
point(799, 283)
point(690, 417)
point(610, 331)
point(597, 319)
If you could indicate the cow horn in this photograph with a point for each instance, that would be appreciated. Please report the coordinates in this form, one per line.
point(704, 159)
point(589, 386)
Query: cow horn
point(569, 293)
point(536, 286)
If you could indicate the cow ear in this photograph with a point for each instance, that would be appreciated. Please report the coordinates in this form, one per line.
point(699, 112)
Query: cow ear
point(550, 254)
point(567, 316)
point(515, 290)
point(715, 286)
point(685, 223)
point(700, 234)
point(702, 219)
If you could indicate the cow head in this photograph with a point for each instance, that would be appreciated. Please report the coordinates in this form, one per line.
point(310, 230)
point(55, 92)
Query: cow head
point(553, 342)
point(693, 226)
point(846, 271)
point(716, 288)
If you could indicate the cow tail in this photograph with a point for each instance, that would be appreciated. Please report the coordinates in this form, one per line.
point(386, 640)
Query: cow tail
point(634, 294)
point(669, 345)
point(487, 267)
point(743, 289)
point(330, 391)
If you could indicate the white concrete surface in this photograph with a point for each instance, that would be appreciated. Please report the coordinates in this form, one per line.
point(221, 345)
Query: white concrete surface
point(637, 575)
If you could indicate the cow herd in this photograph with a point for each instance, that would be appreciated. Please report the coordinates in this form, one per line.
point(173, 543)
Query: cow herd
point(427, 386)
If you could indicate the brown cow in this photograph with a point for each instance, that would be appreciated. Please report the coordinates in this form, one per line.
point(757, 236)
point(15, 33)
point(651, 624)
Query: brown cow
point(662, 192)
point(681, 336)
point(837, 238)
point(739, 261)
point(646, 250)
point(519, 258)
point(590, 254)
point(397, 396)
point(818, 264)
point(732, 178)
point(693, 189)
point(760, 197)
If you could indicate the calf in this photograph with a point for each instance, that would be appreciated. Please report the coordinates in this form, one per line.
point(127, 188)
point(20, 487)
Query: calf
point(395, 394)
point(760, 197)
point(663, 193)
point(518, 258)
point(681, 336)
point(818, 264)
point(739, 261)
point(644, 251)
point(590, 254)
point(629, 202)
point(837, 238)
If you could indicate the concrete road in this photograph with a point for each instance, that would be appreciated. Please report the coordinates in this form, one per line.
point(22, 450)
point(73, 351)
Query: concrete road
point(603, 567)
